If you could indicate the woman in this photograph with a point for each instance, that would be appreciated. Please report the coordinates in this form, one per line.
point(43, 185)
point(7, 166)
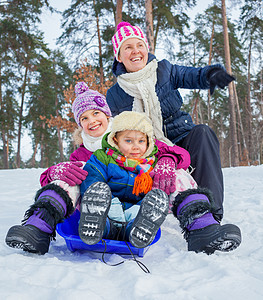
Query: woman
point(145, 85)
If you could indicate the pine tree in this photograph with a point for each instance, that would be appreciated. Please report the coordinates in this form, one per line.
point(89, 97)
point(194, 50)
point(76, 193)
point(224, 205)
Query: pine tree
point(16, 19)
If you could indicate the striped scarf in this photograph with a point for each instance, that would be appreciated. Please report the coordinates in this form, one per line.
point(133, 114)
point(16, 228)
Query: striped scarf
point(143, 166)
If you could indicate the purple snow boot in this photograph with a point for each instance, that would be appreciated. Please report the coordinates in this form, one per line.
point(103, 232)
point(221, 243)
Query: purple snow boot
point(52, 205)
point(203, 233)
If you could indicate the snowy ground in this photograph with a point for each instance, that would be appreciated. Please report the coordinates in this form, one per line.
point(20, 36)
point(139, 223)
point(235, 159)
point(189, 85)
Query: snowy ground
point(175, 272)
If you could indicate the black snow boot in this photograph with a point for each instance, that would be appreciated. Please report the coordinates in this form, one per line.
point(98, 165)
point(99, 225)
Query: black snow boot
point(214, 237)
point(94, 208)
point(29, 238)
point(152, 213)
point(203, 233)
point(52, 205)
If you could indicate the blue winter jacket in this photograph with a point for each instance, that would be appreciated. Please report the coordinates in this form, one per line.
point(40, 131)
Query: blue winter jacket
point(176, 123)
point(102, 167)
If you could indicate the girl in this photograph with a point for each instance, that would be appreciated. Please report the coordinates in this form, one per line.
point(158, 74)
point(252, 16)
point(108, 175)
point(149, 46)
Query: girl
point(58, 196)
point(121, 169)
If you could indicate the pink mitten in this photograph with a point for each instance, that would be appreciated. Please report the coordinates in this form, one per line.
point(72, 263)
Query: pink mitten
point(69, 172)
point(164, 175)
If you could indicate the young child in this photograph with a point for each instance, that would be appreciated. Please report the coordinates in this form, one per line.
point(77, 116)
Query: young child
point(121, 170)
point(59, 194)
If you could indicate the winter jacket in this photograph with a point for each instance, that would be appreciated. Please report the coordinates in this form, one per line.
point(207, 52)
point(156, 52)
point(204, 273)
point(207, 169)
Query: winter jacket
point(102, 167)
point(176, 123)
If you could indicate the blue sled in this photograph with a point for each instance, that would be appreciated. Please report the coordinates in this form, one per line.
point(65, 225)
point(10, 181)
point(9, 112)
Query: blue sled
point(69, 231)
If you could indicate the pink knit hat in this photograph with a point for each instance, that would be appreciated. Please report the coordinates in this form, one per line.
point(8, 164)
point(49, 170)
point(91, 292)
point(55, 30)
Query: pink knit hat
point(88, 99)
point(124, 32)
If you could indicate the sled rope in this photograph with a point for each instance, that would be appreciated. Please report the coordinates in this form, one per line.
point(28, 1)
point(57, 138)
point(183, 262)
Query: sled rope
point(139, 263)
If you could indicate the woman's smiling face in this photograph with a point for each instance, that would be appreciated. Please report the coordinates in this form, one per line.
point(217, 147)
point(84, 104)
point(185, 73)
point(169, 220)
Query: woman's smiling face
point(133, 54)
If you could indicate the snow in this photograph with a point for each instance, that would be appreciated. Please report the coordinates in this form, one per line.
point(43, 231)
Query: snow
point(175, 272)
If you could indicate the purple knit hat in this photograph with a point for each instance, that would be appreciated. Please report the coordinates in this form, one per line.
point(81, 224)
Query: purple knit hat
point(124, 32)
point(87, 99)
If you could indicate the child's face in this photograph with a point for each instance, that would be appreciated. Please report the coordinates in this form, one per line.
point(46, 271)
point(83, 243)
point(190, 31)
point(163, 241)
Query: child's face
point(94, 122)
point(132, 143)
point(133, 54)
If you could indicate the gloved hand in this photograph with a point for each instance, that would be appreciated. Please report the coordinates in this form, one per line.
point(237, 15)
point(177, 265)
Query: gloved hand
point(218, 77)
point(69, 172)
point(164, 175)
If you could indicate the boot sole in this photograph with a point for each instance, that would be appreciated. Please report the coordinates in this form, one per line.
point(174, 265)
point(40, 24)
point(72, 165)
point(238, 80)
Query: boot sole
point(18, 238)
point(153, 211)
point(225, 238)
point(94, 208)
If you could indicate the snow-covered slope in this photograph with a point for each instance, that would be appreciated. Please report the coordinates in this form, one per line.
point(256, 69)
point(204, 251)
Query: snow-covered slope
point(175, 272)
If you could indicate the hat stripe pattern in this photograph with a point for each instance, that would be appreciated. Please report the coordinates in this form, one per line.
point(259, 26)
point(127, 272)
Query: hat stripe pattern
point(125, 31)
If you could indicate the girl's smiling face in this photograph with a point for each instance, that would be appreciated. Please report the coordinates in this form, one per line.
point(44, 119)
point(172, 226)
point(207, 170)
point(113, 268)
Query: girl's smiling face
point(133, 54)
point(132, 143)
point(94, 122)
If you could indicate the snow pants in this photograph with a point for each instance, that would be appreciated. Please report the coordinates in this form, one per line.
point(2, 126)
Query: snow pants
point(203, 146)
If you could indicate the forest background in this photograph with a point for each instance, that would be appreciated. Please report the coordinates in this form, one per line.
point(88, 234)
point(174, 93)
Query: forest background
point(37, 83)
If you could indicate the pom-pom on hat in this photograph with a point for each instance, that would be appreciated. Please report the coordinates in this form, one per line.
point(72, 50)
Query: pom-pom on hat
point(124, 32)
point(87, 99)
point(131, 120)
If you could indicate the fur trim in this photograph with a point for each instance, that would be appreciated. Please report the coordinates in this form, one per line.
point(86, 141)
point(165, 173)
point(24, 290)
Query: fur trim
point(77, 139)
point(186, 193)
point(46, 212)
point(194, 210)
point(131, 120)
point(62, 193)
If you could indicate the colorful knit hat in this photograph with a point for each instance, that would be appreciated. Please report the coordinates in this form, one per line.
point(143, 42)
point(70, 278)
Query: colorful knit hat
point(131, 120)
point(124, 32)
point(87, 99)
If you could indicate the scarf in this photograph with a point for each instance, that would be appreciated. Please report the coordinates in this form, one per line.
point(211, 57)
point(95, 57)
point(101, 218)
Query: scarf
point(143, 166)
point(141, 86)
point(94, 143)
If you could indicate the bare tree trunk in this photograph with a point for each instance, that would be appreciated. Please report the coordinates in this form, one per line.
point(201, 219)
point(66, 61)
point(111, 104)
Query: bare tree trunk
point(195, 109)
point(5, 145)
point(5, 150)
point(1, 96)
point(149, 24)
point(156, 31)
point(233, 129)
point(118, 12)
point(23, 91)
point(42, 148)
point(241, 125)
point(33, 159)
point(118, 19)
point(60, 142)
point(261, 91)
point(248, 114)
point(209, 63)
point(100, 46)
